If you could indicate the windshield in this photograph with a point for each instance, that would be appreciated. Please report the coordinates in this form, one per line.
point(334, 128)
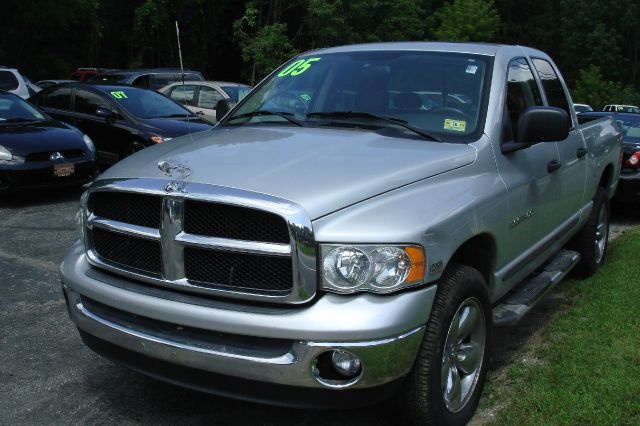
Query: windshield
point(109, 78)
point(630, 128)
point(147, 103)
point(436, 93)
point(14, 110)
point(236, 93)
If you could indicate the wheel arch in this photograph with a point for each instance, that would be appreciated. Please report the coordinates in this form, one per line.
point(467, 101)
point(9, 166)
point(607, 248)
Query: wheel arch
point(478, 252)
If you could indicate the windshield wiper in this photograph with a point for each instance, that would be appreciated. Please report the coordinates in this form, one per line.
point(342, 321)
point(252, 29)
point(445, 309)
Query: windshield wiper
point(17, 120)
point(363, 114)
point(173, 115)
point(286, 115)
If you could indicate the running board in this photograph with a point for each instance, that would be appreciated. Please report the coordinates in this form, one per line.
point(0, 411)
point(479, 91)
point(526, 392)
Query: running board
point(531, 291)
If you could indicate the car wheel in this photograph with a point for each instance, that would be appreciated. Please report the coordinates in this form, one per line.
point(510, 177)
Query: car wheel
point(446, 381)
point(591, 242)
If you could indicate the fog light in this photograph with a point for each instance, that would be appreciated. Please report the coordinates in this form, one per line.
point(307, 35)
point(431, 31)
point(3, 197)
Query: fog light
point(346, 363)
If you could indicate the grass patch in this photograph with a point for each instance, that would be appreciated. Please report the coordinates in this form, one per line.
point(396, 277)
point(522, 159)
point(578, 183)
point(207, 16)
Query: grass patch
point(590, 369)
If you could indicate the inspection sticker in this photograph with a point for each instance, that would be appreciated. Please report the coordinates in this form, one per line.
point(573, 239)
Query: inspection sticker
point(456, 125)
point(471, 69)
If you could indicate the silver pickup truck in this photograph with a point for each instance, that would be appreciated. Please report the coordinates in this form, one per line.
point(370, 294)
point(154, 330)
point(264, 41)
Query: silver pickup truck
point(350, 232)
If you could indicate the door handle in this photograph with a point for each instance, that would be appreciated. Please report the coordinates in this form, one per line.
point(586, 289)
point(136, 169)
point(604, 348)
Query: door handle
point(581, 152)
point(200, 112)
point(553, 165)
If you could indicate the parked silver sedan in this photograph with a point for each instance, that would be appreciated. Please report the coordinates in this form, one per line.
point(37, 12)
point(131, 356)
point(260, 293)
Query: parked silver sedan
point(202, 97)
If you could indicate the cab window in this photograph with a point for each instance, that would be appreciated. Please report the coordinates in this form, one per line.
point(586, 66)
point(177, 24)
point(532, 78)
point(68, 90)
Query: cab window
point(88, 103)
point(522, 93)
point(209, 97)
point(183, 94)
point(556, 96)
point(58, 99)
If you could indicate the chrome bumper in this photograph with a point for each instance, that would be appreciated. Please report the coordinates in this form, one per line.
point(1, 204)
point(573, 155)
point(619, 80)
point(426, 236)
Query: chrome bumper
point(384, 332)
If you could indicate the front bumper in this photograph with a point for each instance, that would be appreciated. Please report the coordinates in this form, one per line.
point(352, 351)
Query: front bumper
point(275, 347)
point(37, 175)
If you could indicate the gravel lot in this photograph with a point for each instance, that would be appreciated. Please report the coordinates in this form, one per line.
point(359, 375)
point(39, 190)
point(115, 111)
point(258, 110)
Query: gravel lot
point(47, 376)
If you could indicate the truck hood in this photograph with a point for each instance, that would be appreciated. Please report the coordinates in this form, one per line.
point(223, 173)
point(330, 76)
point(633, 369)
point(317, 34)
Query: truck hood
point(321, 169)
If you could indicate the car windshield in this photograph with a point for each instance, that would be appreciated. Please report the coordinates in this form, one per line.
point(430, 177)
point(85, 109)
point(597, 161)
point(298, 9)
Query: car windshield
point(15, 110)
point(630, 128)
point(236, 93)
point(109, 78)
point(435, 93)
point(143, 103)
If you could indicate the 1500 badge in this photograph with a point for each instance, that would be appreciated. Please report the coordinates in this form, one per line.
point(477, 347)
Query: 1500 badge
point(518, 220)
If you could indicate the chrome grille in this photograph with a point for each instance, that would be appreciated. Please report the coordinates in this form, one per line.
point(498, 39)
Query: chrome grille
point(204, 239)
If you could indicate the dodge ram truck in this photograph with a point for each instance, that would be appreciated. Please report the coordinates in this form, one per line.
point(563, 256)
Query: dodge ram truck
point(350, 232)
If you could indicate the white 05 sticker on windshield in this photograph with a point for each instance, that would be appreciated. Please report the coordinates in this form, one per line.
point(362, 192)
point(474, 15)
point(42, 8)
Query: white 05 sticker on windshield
point(455, 125)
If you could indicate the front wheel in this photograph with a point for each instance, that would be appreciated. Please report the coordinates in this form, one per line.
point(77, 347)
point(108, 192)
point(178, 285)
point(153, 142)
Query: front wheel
point(446, 381)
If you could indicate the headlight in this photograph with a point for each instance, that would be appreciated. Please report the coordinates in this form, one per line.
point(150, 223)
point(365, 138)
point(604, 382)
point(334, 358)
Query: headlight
point(159, 139)
point(5, 154)
point(379, 269)
point(89, 143)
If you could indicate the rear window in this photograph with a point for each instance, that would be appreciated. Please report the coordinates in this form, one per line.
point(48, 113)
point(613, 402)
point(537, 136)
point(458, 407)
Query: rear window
point(8, 81)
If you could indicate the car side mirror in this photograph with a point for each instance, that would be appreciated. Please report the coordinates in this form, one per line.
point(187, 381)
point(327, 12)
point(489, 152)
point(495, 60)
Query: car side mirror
point(104, 112)
point(222, 108)
point(539, 124)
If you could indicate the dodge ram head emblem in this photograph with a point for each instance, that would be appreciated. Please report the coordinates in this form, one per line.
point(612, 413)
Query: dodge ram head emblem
point(174, 170)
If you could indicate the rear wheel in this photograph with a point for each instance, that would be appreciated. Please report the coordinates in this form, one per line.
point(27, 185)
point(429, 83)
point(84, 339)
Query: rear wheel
point(446, 381)
point(591, 242)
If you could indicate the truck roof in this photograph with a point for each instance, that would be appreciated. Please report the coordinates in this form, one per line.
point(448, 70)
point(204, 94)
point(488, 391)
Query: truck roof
point(487, 49)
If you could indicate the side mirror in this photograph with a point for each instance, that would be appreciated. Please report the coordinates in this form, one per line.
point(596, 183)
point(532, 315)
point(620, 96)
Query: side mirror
point(104, 112)
point(539, 124)
point(222, 108)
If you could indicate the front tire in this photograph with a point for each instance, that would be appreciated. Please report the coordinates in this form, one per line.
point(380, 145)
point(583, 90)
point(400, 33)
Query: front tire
point(446, 381)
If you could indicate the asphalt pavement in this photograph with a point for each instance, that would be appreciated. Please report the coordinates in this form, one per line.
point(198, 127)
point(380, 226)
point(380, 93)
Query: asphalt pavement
point(48, 376)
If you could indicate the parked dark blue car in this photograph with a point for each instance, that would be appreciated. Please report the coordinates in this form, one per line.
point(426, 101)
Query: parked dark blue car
point(38, 151)
point(120, 119)
point(629, 183)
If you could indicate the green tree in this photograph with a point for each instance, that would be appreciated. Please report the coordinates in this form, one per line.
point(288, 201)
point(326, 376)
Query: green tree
point(466, 20)
point(593, 89)
point(264, 44)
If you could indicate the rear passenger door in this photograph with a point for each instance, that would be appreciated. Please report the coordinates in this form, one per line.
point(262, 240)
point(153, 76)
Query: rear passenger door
point(208, 99)
point(572, 150)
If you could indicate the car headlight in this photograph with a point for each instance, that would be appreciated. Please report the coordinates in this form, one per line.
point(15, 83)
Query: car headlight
point(5, 154)
point(159, 139)
point(87, 140)
point(374, 268)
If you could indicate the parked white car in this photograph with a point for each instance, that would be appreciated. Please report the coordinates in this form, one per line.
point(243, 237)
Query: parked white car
point(622, 108)
point(12, 81)
point(202, 97)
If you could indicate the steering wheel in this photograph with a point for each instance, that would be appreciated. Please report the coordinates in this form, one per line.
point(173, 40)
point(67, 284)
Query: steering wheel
point(445, 110)
point(289, 102)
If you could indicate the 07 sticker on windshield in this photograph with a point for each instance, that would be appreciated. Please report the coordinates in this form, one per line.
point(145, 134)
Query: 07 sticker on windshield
point(298, 67)
point(455, 125)
point(119, 94)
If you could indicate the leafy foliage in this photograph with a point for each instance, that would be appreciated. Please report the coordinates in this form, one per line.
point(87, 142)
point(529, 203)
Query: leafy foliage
point(467, 20)
point(246, 39)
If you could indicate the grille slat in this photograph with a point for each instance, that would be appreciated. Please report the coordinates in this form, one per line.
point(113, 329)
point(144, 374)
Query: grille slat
point(233, 222)
point(132, 253)
point(136, 209)
point(238, 270)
